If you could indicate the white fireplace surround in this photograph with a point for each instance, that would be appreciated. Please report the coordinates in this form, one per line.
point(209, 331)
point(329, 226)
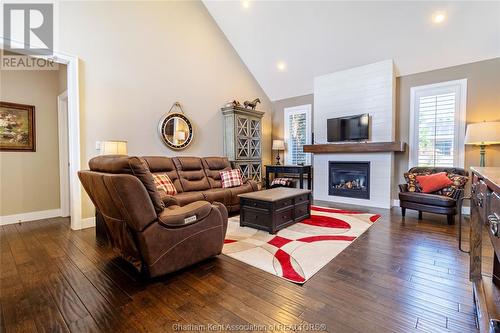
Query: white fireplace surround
point(366, 89)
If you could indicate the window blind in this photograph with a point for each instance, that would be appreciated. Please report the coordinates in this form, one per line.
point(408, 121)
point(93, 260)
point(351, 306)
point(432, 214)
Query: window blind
point(436, 129)
point(297, 136)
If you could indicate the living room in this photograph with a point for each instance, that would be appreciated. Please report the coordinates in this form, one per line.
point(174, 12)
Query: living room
point(250, 166)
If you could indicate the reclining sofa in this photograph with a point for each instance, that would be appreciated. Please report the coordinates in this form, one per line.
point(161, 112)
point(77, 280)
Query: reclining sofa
point(159, 234)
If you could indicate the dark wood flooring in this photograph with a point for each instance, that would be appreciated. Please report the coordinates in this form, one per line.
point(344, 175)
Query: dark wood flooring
point(399, 276)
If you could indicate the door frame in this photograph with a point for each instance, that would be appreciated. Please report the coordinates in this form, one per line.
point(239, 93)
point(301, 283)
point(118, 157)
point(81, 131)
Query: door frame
point(75, 188)
point(63, 135)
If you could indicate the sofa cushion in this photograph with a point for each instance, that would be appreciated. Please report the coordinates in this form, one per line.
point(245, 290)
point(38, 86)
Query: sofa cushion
point(231, 178)
point(130, 165)
point(221, 195)
point(213, 166)
point(164, 164)
point(185, 198)
point(434, 182)
point(191, 174)
point(411, 180)
point(427, 199)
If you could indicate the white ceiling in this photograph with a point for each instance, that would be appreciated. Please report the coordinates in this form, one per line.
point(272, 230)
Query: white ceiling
point(316, 38)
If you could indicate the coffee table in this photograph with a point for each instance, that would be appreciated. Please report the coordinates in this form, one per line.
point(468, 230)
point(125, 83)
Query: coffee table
point(274, 209)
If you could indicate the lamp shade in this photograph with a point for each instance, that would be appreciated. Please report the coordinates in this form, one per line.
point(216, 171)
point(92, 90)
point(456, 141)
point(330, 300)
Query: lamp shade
point(113, 148)
point(484, 133)
point(278, 145)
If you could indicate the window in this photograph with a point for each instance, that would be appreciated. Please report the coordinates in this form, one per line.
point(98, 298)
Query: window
point(297, 133)
point(437, 124)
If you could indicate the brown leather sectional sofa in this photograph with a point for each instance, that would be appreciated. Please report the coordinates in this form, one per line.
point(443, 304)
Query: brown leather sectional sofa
point(161, 234)
point(198, 178)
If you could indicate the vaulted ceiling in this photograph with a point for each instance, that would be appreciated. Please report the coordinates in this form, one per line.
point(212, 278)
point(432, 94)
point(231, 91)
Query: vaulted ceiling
point(285, 44)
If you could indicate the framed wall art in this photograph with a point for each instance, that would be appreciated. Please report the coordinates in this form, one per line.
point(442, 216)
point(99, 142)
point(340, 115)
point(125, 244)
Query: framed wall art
point(17, 127)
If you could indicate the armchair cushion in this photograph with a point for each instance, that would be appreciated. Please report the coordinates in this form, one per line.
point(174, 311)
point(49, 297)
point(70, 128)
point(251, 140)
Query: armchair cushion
point(175, 216)
point(427, 199)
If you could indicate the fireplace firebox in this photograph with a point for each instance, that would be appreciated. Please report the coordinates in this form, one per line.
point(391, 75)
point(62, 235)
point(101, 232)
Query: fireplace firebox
point(349, 179)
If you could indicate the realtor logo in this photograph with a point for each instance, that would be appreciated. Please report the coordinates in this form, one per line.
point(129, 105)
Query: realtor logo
point(29, 28)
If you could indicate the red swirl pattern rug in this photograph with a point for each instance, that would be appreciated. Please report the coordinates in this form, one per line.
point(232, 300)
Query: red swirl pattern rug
point(298, 252)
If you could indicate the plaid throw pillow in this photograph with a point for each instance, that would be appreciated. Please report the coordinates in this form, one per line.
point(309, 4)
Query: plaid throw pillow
point(281, 181)
point(164, 183)
point(231, 178)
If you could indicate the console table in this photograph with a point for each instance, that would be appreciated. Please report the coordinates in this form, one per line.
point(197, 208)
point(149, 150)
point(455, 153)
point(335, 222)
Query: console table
point(292, 169)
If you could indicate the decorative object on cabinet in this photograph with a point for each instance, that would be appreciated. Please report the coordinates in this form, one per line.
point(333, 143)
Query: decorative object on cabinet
point(175, 128)
point(17, 127)
point(113, 147)
point(251, 104)
point(483, 134)
point(278, 145)
point(243, 140)
point(232, 104)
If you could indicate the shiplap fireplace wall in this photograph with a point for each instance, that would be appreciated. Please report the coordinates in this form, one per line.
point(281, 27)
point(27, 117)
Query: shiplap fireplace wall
point(366, 89)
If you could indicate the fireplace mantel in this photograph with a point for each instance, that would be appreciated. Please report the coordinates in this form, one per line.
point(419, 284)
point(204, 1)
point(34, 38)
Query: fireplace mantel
point(356, 147)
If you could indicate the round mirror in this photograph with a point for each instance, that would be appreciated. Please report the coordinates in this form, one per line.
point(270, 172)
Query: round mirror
point(176, 131)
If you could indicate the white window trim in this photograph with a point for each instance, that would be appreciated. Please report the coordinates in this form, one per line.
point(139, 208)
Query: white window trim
point(307, 109)
point(460, 127)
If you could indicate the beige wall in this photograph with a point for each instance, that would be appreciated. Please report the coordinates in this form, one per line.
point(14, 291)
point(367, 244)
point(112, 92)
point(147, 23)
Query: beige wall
point(483, 103)
point(137, 58)
point(30, 180)
point(278, 114)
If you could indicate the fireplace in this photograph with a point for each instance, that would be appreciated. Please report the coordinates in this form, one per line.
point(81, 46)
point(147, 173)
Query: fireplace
point(349, 179)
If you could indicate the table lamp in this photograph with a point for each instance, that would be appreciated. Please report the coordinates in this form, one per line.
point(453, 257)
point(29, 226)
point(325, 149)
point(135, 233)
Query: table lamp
point(113, 147)
point(483, 134)
point(278, 145)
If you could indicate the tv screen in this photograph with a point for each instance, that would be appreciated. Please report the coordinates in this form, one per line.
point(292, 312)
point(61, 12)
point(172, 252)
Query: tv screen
point(353, 128)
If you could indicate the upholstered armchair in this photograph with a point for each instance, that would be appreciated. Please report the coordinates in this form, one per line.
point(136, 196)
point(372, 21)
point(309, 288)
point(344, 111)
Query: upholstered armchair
point(437, 203)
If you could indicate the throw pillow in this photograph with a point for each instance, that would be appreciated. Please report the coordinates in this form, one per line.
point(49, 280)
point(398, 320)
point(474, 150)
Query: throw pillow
point(434, 182)
point(411, 180)
point(282, 181)
point(459, 183)
point(231, 178)
point(164, 183)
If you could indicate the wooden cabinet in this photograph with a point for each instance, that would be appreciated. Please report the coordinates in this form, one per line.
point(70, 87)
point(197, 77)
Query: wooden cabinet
point(485, 213)
point(243, 140)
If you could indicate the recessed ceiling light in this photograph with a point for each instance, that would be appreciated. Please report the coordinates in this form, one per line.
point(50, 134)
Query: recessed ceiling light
point(245, 4)
point(281, 66)
point(438, 17)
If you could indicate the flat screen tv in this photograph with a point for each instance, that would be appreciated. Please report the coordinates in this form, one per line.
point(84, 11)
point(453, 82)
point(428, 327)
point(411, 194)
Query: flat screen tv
point(352, 128)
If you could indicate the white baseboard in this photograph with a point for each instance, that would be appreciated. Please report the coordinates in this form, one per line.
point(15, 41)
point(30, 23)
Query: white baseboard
point(88, 223)
point(31, 216)
point(465, 209)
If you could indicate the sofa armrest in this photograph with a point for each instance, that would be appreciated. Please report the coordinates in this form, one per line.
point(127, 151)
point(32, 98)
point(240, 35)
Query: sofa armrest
point(252, 183)
point(169, 200)
point(403, 187)
point(175, 216)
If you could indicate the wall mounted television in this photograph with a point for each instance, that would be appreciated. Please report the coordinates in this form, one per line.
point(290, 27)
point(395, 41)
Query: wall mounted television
point(352, 128)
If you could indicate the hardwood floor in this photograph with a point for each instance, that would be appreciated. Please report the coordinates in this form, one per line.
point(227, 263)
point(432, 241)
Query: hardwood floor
point(399, 276)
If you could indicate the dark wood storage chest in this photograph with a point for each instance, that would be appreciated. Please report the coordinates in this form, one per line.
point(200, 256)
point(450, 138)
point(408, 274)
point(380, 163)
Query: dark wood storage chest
point(274, 209)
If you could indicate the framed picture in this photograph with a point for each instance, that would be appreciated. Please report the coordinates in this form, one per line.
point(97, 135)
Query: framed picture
point(17, 127)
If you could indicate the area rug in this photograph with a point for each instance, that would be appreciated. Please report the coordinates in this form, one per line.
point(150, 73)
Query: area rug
point(299, 251)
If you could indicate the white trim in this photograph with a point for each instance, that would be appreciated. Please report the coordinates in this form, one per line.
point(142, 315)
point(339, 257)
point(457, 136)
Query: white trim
point(73, 132)
point(461, 85)
point(465, 209)
point(31, 216)
point(62, 119)
point(89, 222)
point(307, 109)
